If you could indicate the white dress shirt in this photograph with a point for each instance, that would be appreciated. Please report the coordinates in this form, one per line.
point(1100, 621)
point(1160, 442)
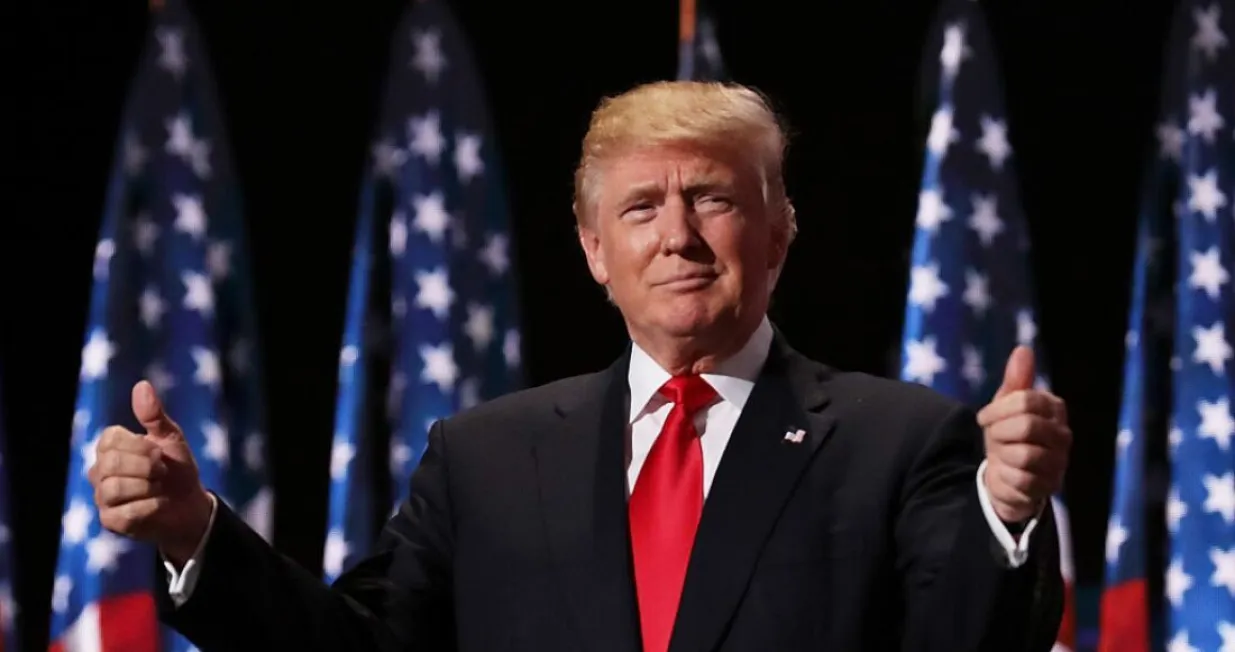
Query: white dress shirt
point(733, 380)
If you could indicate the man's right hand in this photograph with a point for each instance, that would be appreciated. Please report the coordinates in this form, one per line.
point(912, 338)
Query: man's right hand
point(147, 486)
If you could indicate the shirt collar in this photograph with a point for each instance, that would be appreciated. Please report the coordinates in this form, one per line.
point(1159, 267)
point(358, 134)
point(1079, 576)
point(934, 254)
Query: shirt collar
point(733, 378)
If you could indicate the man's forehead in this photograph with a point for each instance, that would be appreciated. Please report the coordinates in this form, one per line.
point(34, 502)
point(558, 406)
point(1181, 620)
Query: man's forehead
point(657, 168)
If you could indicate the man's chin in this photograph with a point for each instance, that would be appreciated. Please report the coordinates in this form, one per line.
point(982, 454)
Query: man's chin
point(696, 322)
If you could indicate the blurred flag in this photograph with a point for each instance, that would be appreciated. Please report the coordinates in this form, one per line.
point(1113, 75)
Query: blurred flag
point(170, 304)
point(1181, 302)
point(8, 607)
point(434, 228)
point(1200, 580)
point(1124, 613)
point(698, 51)
point(971, 296)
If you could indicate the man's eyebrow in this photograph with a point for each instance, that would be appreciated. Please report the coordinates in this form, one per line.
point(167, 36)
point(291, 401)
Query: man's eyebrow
point(706, 183)
point(698, 184)
point(640, 190)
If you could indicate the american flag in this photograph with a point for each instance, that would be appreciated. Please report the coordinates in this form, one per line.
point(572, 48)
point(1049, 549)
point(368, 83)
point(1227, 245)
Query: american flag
point(1189, 192)
point(698, 50)
point(8, 607)
point(1126, 623)
point(971, 297)
point(1124, 613)
point(432, 314)
point(169, 303)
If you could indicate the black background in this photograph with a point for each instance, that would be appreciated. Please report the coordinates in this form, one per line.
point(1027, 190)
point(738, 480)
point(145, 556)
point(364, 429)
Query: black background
point(300, 85)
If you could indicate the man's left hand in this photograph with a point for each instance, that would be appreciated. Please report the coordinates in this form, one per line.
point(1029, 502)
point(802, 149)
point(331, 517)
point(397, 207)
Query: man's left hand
point(1027, 442)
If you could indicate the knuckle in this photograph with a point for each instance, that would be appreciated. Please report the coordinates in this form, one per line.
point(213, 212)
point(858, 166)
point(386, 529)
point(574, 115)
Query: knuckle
point(1018, 457)
point(115, 463)
point(1029, 457)
point(1065, 435)
point(106, 491)
point(105, 439)
point(1035, 402)
point(140, 466)
point(113, 520)
point(132, 515)
point(1036, 428)
point(120, 491)
point(1021, 426)
point(122, 524)
point(1048, 433)
point(1023, 400)
point(129, 512)
point(111, 435)
point(107, 463)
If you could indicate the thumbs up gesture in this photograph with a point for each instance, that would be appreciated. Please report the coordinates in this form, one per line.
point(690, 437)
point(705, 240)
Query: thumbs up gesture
point(147, 486)
point(1027, 442)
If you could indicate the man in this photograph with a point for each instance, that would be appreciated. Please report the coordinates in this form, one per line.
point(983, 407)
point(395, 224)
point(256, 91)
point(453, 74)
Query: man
point(711, 490)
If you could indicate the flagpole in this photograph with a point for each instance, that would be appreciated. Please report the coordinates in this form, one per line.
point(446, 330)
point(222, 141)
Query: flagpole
point(686, 21)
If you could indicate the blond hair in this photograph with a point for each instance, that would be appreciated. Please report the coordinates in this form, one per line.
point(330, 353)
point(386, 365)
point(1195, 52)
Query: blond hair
point(709, 114)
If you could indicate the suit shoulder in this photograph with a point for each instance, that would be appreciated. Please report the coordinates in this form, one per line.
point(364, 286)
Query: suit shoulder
point(867, 392)
point(894, 415)
point(521, 406)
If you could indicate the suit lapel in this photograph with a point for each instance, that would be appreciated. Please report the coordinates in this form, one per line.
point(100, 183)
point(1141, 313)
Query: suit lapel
point(580, 463)
point(757, 474)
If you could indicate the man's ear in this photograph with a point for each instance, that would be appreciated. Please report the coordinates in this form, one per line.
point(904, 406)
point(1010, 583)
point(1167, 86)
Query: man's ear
point(783, 233)
point(778, 248)
point(589, 240)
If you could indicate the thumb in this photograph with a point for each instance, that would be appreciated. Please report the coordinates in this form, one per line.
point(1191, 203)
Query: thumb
point(149, 412)
point(1019, 373)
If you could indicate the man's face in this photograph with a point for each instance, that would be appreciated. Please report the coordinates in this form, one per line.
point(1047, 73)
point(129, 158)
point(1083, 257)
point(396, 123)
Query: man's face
point(682, 238)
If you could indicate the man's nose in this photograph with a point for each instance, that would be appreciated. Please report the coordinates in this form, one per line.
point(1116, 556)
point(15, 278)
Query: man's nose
point(678, 230)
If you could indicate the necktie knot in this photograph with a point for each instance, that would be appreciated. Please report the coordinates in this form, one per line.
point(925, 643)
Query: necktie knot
point(691, 393)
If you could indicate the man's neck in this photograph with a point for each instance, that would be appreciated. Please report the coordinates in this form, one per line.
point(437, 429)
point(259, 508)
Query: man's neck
point(693, 355)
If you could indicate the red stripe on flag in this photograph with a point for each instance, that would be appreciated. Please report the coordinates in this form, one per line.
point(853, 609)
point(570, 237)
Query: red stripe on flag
point(1065, 639)
point(129, 623)
point(1124, 620)
point(1067, 625)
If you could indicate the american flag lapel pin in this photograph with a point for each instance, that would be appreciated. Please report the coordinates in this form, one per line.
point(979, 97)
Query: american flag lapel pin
point(795, 436)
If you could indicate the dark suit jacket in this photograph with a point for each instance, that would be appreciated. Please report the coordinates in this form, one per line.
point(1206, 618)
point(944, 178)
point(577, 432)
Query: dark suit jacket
point(866, 536)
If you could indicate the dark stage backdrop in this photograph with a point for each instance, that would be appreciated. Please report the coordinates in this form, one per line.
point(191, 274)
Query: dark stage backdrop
point(300, 86)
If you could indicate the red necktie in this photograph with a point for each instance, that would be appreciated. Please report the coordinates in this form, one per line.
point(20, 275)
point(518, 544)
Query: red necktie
point(664, 510)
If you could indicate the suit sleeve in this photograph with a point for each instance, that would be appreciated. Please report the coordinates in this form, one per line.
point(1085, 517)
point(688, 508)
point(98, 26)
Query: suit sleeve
point(249, 597)
point(960, 592)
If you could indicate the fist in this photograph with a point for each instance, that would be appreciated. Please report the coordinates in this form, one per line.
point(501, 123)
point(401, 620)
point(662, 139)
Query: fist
point(147, 486)
point(1027, 442)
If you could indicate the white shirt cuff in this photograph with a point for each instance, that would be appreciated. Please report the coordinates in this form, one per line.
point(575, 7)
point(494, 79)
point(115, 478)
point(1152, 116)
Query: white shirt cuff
point(180, 584)
point(1017, 549)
